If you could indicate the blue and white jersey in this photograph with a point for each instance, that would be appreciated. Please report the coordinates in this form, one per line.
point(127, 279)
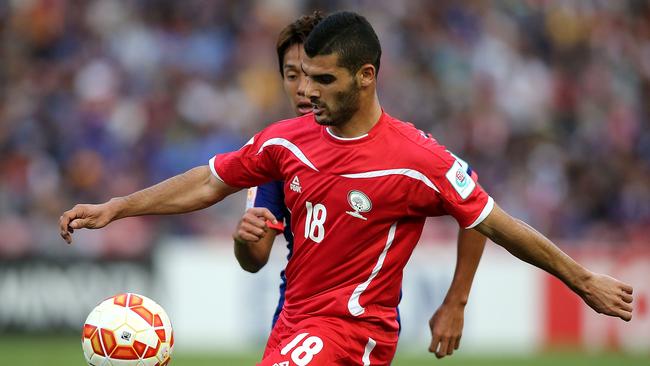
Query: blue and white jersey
point(271, 196)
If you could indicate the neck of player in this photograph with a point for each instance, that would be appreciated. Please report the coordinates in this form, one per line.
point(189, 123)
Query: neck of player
point(362, 121)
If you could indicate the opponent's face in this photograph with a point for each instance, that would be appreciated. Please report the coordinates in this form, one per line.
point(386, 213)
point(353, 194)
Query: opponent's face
point(293, 81)
point(332, 90)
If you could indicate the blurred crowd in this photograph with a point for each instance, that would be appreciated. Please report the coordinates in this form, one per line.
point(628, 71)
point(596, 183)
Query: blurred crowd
point(548, 101)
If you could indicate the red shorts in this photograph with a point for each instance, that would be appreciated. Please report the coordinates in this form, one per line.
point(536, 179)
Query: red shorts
point(328, 341)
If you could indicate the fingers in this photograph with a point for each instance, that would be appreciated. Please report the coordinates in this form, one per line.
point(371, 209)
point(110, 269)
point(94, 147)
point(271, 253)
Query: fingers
point(625, 315)
point(263, 212)
point(443, 346)
point(64, 225)
point(627, 298)
point(249, 233)
point(442, 350)
point(77, 224)
point(252, 226)
point(625, 306)
point(627, 288)
point(435, 344)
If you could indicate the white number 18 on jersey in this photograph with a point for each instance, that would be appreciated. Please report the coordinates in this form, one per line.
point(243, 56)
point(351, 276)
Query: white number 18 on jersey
point(316, 215)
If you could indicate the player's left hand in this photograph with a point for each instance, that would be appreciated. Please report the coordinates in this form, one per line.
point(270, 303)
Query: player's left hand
point(607, 295)
point(446, 326)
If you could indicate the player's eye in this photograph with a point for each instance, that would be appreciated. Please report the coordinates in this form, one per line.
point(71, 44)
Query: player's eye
point(291, 76)
point(324, 79)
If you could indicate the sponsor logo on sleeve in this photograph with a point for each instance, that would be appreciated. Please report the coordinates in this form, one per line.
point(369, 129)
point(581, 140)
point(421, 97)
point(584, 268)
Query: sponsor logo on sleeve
point(460, 180)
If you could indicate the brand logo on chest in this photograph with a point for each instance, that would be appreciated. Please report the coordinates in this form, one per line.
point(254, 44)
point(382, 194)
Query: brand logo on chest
point(295, 185)
point(360, 203)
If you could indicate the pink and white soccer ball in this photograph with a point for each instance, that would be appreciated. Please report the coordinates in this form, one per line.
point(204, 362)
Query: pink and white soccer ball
point(127, 330)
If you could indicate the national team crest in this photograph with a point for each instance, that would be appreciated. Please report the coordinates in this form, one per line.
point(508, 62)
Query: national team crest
point(360, 203)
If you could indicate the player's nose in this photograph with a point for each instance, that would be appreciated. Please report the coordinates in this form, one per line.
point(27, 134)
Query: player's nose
point(309, 90)
point(302, 86)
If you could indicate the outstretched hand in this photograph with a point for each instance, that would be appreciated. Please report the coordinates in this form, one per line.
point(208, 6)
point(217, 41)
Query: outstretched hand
point(84, 216)
point(252, 226)
point(446, 326)
point(609, 296)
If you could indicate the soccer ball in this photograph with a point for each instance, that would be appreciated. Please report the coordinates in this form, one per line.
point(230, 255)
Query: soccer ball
point(127, 330)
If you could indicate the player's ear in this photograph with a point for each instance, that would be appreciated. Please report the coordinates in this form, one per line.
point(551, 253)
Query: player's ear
point(366, 75)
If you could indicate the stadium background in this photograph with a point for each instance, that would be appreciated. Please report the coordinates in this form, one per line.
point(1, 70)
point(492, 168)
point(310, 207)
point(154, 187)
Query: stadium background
point(549, 102)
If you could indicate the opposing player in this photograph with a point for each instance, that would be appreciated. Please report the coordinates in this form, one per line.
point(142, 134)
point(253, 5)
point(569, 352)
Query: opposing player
point(366, 184)
point(253, 252)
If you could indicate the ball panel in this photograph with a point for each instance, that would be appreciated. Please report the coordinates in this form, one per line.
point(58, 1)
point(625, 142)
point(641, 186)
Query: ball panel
point(125, 353)
point(97, 360)
point(96, 344)
point(87, 349)
point(108, 340)
point(120, 300)
point(136, 322)
point(144, 314)
point(139, 348)
point(88, 330)
point(94, 317)
point(125, 335)
point(151, 352)
point(134, 300)
point(157, 321)
point(113, 317)
point(148, 337)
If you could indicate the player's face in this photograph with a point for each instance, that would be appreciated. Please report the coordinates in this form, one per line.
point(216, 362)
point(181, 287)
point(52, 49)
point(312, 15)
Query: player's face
point(294, 80)
point(332, 90)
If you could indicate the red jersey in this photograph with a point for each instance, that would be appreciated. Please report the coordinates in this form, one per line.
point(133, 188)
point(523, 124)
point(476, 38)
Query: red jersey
point(358, 207)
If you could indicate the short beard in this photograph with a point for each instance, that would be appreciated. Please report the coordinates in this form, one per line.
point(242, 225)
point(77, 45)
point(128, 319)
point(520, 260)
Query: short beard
point(348, 104)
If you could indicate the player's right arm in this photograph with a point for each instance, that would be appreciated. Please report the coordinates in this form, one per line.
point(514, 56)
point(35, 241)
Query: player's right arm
point(193, 190)
point(253, 239)
point(602, 293)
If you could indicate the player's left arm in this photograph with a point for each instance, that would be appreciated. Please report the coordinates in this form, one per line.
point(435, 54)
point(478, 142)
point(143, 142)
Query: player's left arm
point(602, 293)
point(446, 324)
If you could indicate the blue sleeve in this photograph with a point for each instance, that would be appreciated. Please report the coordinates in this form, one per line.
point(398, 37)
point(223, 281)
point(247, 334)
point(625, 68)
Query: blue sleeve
point(271, 196)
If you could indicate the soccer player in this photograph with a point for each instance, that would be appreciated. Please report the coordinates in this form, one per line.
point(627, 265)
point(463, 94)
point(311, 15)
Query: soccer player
point(253, 252)
point(366, 182)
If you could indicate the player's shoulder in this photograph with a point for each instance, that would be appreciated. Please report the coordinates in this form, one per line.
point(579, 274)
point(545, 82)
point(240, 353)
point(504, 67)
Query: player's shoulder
point(416, 142)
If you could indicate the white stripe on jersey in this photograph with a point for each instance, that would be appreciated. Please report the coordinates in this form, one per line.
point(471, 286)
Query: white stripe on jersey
point(211, 164)
point(353, 304)
point(486, 211)
point(366, 353)
point(407, 172)
point(278, 141)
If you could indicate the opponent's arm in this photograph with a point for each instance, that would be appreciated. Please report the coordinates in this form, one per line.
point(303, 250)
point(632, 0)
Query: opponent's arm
point(253, 239)
point(602, 293)
point(193, 190)
point(446, 324)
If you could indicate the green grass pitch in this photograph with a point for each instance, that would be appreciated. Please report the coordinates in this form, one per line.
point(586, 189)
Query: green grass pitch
point(23, 350)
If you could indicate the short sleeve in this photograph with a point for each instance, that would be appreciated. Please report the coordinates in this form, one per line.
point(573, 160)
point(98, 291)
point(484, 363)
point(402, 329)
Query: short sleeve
point(462, 197)
point(250, 166)
point(454, 189)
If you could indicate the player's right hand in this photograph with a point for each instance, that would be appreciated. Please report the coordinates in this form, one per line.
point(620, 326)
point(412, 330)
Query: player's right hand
point(252, 226)
point(609, 296)
point(84, 216)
